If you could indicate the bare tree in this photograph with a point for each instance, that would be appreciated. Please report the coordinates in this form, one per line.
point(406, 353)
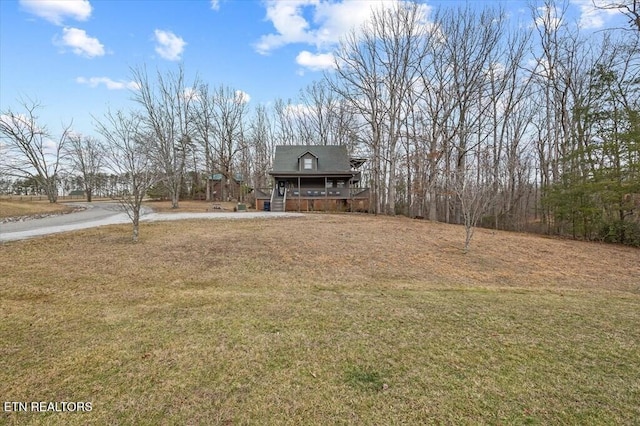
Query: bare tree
point(230, 109)
point(203, 115)
point(86, 156)
point(30, 149)
point(128, 150)
point(629, 8)
point(168, 113)
point(475, 193)
point(260, 140)
point(324, 117)
point(285, 123)
point(375, 70)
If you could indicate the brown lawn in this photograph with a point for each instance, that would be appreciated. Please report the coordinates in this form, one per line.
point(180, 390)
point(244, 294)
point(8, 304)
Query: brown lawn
point(15, 208)
point(324, 319)
point(191, 206)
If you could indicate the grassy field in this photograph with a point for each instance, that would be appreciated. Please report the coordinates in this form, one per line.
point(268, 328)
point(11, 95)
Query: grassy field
point(14, 208)
point(324, 319)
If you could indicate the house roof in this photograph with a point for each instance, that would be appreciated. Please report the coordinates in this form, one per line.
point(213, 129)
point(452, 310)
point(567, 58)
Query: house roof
point(331, 158)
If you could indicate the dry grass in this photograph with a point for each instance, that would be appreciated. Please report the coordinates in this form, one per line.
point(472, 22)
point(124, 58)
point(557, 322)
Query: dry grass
point(191, 206)
point(13, 208)
point(322, 319)
point(35, 207)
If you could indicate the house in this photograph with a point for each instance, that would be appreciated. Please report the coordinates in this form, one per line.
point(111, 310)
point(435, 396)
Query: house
point(221, 189)
point(311, 178)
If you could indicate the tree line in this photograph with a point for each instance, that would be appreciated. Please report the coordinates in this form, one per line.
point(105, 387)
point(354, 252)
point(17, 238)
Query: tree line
point(463, 117)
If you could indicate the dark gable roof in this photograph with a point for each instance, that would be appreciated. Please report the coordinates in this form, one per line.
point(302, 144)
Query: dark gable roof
point(331, 158)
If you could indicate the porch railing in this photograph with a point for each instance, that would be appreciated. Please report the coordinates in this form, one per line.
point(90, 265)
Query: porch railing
point(325, 192)
point(315, 192)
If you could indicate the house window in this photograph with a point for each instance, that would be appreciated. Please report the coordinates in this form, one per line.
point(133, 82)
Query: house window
point(308, 163)
point(340, 184)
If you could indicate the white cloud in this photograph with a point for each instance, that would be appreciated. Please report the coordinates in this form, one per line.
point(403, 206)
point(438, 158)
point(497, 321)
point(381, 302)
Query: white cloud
point(55, 11)
point(592, 13)
point(290, 24)
point(170, 46)
point(242, 97)
point(298, 111)
point(80, 43)
point(108, 83)
point(191, 93)
point(315, 62)
point(548, 16)
point(317, 22)
point(336, 19)
point(215, 4)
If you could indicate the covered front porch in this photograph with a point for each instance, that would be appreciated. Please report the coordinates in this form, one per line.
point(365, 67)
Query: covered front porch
point(302, 193)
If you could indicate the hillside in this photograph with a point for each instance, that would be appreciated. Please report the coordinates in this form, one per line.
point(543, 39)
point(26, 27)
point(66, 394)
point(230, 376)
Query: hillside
point(322, 319)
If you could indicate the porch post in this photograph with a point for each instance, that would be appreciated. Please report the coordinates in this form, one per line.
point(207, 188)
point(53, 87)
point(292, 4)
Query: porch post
point(299, 191)
point(326, 196)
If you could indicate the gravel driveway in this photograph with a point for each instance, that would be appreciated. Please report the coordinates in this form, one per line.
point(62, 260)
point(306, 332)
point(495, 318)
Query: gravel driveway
point(100, 214)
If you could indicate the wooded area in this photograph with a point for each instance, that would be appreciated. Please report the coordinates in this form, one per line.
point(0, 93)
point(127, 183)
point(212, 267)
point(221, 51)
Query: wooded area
point(464, 117)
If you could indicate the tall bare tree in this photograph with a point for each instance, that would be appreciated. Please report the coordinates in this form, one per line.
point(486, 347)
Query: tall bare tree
point(30, 150)
point(286, 126)
point(229, 114)
point(128, 155)
point(375, 68)
point(167, 107)
point(203, 115)
point(261, 143)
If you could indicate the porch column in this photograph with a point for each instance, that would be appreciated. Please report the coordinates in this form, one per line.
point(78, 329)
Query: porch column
point(299, 191)
point(326, 196)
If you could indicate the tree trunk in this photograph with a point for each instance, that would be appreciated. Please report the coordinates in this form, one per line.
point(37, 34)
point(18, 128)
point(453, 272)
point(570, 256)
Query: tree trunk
point(136, 224)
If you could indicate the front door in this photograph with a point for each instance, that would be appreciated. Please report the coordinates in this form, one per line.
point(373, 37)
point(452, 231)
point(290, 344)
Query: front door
point(281, 184)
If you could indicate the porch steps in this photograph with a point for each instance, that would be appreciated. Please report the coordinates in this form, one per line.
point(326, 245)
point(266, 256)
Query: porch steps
point(277, 205)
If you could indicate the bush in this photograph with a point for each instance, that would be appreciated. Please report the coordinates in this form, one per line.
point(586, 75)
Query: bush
point(622, 232)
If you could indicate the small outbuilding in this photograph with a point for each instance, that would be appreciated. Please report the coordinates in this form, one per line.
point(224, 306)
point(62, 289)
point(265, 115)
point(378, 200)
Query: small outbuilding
point(222, 188)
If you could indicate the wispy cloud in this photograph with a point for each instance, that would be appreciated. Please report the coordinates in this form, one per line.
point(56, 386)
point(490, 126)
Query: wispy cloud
point(55, 11)
point(594, 13)
point(108, 83)
point(215, 4)
point(317, 61)
point(80, 43)
point(169, 46)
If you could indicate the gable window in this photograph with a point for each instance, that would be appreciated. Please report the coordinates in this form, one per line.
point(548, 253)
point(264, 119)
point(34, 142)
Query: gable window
point(308, 163)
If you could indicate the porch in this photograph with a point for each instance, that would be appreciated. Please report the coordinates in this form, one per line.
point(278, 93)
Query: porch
point(313, 198)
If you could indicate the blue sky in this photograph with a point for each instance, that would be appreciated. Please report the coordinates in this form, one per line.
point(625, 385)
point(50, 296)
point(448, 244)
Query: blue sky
point(75, 56)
